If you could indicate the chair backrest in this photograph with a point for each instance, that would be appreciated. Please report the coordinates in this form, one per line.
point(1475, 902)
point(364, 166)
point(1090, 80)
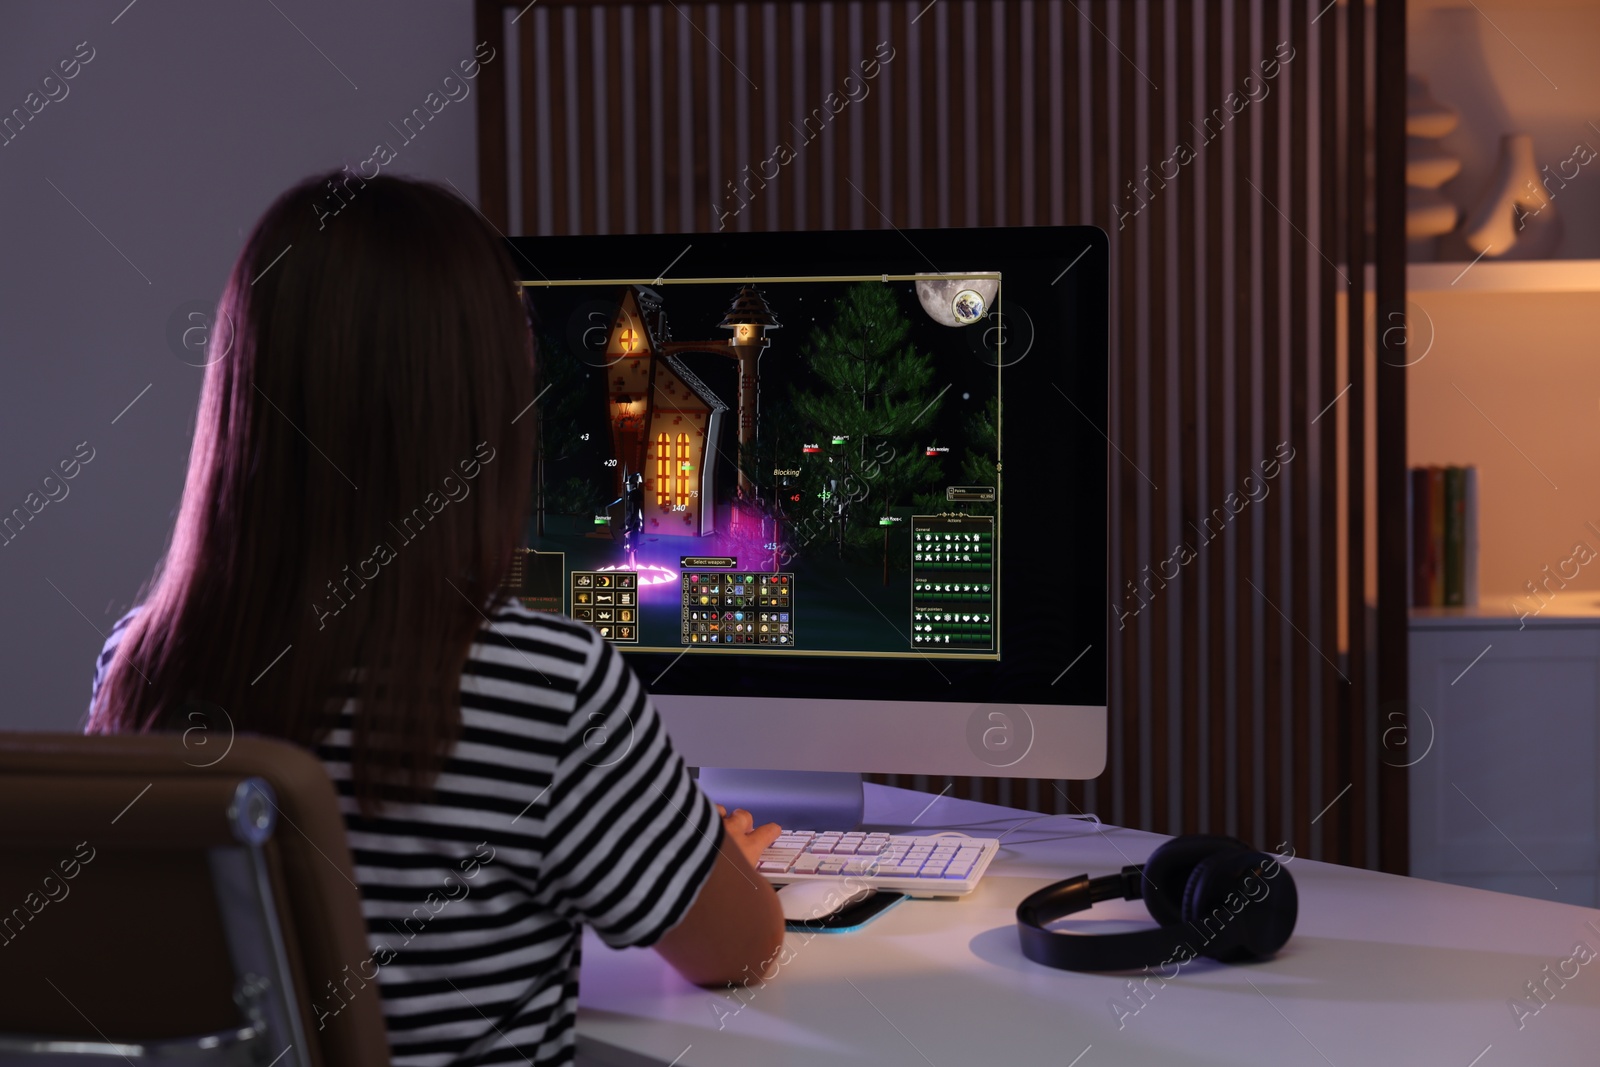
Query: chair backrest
point(160, 901)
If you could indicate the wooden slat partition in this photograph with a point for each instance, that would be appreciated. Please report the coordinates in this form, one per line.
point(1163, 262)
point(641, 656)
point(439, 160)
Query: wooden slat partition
point(1245, 679)
point(1186, 737)
point(1389, 259)
point(1335, 686)
point(1302, 683)
point(1157, 143)
point(1346, 817)
point(1273, 804)
point(1214, 716)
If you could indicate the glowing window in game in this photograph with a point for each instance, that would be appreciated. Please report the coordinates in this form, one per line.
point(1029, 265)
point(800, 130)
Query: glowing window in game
point(663, 471)
point(683, 471)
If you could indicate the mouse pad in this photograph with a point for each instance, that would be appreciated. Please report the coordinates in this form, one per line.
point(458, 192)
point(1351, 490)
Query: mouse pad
point(850, 918)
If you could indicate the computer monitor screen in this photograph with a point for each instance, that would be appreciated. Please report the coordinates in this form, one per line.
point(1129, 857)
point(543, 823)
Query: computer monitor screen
point(819, 468)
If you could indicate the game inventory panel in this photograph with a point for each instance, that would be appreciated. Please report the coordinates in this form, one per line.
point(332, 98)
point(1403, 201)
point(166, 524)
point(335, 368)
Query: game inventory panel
point(733, 607)
point(608, 601)
point(535, 579)
point(953, 583)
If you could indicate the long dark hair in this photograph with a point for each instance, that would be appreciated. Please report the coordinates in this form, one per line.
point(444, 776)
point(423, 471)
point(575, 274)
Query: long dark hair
point(359, 477)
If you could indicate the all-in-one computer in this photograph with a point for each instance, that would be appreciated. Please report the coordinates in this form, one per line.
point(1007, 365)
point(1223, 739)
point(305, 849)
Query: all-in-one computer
point(839, 498)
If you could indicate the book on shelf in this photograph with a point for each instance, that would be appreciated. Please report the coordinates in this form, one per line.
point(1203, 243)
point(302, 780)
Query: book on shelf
point(1455, 535)
point(1469, 558)
point(1416, 514)
point(1443, 512)
point(1436, 536)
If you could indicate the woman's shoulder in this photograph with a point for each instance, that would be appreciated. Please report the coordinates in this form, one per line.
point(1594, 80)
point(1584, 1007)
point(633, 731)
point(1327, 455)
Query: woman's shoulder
point(108, 651)
point(113, 636)
point(122, 623)
point(513, 619)
point(553, 645)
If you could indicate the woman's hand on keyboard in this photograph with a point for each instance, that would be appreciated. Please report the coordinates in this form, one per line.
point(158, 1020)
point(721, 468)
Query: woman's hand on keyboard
point(751, 839)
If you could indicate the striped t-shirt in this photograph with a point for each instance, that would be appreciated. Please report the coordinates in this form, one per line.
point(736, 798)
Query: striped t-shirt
point(562, 805)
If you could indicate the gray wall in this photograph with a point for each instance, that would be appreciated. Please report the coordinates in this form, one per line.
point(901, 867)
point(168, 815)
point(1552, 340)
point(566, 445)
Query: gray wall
point(170, 141)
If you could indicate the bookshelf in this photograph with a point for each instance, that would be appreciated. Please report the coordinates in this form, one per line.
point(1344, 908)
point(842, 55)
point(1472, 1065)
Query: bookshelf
point(1498, 276)
point(1495, 610)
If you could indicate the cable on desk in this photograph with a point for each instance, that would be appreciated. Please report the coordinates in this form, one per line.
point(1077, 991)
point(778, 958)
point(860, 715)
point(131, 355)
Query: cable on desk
point(1086, 816)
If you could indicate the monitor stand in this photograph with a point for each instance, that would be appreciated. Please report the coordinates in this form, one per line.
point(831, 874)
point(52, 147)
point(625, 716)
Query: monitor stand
point(795, 800)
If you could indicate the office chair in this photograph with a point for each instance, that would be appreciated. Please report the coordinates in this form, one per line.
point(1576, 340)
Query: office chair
point(155, 910)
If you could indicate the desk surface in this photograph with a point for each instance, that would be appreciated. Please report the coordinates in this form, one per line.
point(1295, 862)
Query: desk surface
point(1380, 970)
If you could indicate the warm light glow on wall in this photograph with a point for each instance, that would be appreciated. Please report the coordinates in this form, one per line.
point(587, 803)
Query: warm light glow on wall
point(683, 470)
point(663, 471)
point(628, 414)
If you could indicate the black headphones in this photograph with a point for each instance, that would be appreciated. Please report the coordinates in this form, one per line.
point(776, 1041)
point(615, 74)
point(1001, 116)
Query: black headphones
point(1214, 896)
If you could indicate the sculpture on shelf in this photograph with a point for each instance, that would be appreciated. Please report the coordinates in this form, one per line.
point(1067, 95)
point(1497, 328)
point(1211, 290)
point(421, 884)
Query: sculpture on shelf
point(1517, 210)
point(1428, 165)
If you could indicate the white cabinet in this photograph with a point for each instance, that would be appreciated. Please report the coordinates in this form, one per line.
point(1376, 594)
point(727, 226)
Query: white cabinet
point(1508, 796)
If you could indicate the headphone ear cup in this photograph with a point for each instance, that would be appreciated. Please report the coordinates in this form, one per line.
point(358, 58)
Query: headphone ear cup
point(1166, 872)
point(1261, 922)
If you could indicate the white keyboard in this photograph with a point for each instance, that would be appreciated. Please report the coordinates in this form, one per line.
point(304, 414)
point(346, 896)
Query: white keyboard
point(932, 866)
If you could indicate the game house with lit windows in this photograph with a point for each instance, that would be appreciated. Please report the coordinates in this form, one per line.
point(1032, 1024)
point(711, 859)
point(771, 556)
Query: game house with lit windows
point(661, 415)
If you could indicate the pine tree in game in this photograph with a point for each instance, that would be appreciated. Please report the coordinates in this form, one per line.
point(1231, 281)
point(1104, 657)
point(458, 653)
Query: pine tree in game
point(872, 416)
point(978, 464)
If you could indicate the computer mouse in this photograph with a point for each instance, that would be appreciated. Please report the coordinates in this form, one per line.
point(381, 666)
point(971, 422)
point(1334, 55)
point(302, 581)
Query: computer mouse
point(818, 900)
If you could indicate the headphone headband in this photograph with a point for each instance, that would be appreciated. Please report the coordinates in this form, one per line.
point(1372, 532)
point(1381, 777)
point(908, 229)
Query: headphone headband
point(1190, 876)
point(1127, 951)
point(1078, 894)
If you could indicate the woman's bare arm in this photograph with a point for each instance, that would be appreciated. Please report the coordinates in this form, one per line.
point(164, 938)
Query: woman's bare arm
point(735, 927)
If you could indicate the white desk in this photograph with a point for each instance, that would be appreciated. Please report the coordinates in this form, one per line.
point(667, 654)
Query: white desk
point(1380, 970)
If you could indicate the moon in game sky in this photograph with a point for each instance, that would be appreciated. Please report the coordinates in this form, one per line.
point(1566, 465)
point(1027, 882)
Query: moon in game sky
point(954, 301)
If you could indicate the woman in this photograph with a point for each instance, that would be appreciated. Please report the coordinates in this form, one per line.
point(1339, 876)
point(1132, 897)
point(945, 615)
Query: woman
point(358, 480)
